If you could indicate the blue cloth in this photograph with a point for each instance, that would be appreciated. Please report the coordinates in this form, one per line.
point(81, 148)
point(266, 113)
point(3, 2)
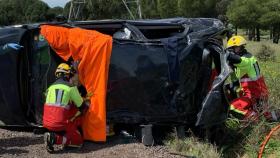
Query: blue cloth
point(10, 47)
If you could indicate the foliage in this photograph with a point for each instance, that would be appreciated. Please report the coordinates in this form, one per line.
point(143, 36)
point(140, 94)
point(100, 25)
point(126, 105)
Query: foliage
point(167, 8)
point(271, 14)
point(27, 11)
point(221, 6)
point(192, 147)
point(266, 53)
point(115, 9)
point(105, 9)
point(256, 14)
point(197, 8)
point(245, 13)
point(53, 12)
point(149, 9)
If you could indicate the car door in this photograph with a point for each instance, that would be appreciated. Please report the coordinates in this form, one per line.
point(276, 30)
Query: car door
point(11, 104)
point(42, 62)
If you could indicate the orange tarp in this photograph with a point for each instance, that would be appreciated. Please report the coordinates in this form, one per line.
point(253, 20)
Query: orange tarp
point(93, 50)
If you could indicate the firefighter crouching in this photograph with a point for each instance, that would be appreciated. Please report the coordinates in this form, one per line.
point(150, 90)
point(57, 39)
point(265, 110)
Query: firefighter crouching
point(62, 109)
point(253, 93)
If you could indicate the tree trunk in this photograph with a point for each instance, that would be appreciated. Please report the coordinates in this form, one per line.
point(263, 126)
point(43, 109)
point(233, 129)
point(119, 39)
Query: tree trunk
point(254, 34)
point(270, 33)
point(276, 34)
point(276, 38)
point(251, 35)
point(258, 34)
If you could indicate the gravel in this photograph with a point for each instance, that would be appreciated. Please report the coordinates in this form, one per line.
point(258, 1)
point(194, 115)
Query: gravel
point(27, 144)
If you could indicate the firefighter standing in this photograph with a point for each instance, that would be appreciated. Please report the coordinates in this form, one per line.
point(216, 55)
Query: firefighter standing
point(61, 110)
point(253, 93)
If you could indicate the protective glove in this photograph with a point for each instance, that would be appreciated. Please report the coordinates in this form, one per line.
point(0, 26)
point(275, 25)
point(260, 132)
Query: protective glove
point(88, 96)
point(8, 47)
point(13, 46)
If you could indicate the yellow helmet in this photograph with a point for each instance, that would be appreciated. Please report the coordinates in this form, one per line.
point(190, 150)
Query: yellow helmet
point(236, 41)
point(63, 68)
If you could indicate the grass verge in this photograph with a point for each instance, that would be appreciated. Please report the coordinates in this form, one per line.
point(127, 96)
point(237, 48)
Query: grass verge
point(193, 147)
point(242, 142)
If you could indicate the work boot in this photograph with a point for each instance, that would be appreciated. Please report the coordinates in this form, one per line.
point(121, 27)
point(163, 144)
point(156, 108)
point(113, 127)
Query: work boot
point(49, 139)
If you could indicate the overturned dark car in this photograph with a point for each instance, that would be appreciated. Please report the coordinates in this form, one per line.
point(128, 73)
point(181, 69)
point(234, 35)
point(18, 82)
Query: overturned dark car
point(159, 72)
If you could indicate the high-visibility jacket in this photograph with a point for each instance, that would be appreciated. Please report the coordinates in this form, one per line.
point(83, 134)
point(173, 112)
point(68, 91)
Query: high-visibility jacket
point(61, 105)
point(252, 83)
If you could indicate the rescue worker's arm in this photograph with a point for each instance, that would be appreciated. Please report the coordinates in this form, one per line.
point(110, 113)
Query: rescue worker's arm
point(234, 58)
point(240, 62)
point(78, 100)
point(245, 62)
point(76, 97)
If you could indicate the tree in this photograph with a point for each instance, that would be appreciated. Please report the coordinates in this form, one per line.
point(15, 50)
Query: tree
point(246, 14)
point(53, 12)
point(189, 8)
point(221, 7)
point(271, 18)
point(106, 9)
point(149, 9)
point(209, 8)
point(197, 8)
point(19, 11)
point(36, 11)
point(167, 8)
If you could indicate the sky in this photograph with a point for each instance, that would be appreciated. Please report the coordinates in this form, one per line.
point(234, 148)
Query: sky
point(54, 3)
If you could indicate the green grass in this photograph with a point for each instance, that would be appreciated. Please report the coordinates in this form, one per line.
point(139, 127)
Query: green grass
point(243, 142)
point(271, 72)
point(254, 47)
point(192, 147)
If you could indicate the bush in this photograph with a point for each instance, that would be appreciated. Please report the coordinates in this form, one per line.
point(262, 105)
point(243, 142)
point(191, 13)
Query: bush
point(266, 53)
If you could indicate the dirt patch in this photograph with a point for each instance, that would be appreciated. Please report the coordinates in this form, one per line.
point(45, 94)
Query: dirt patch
point(27, 144)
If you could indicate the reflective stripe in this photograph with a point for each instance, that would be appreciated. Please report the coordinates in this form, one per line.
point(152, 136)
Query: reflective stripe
point(250, 79)
point(257, 69)
point(232, 108)
point(59, 95)
point(64, 140)
point(59, 105)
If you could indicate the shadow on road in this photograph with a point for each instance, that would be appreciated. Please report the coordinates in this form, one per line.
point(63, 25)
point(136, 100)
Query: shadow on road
point(93, 146)
point(12, 151)
point(15, 143)
point(21, 141)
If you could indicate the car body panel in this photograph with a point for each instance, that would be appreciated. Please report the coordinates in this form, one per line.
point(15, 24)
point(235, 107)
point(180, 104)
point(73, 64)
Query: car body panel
point(157, 76)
